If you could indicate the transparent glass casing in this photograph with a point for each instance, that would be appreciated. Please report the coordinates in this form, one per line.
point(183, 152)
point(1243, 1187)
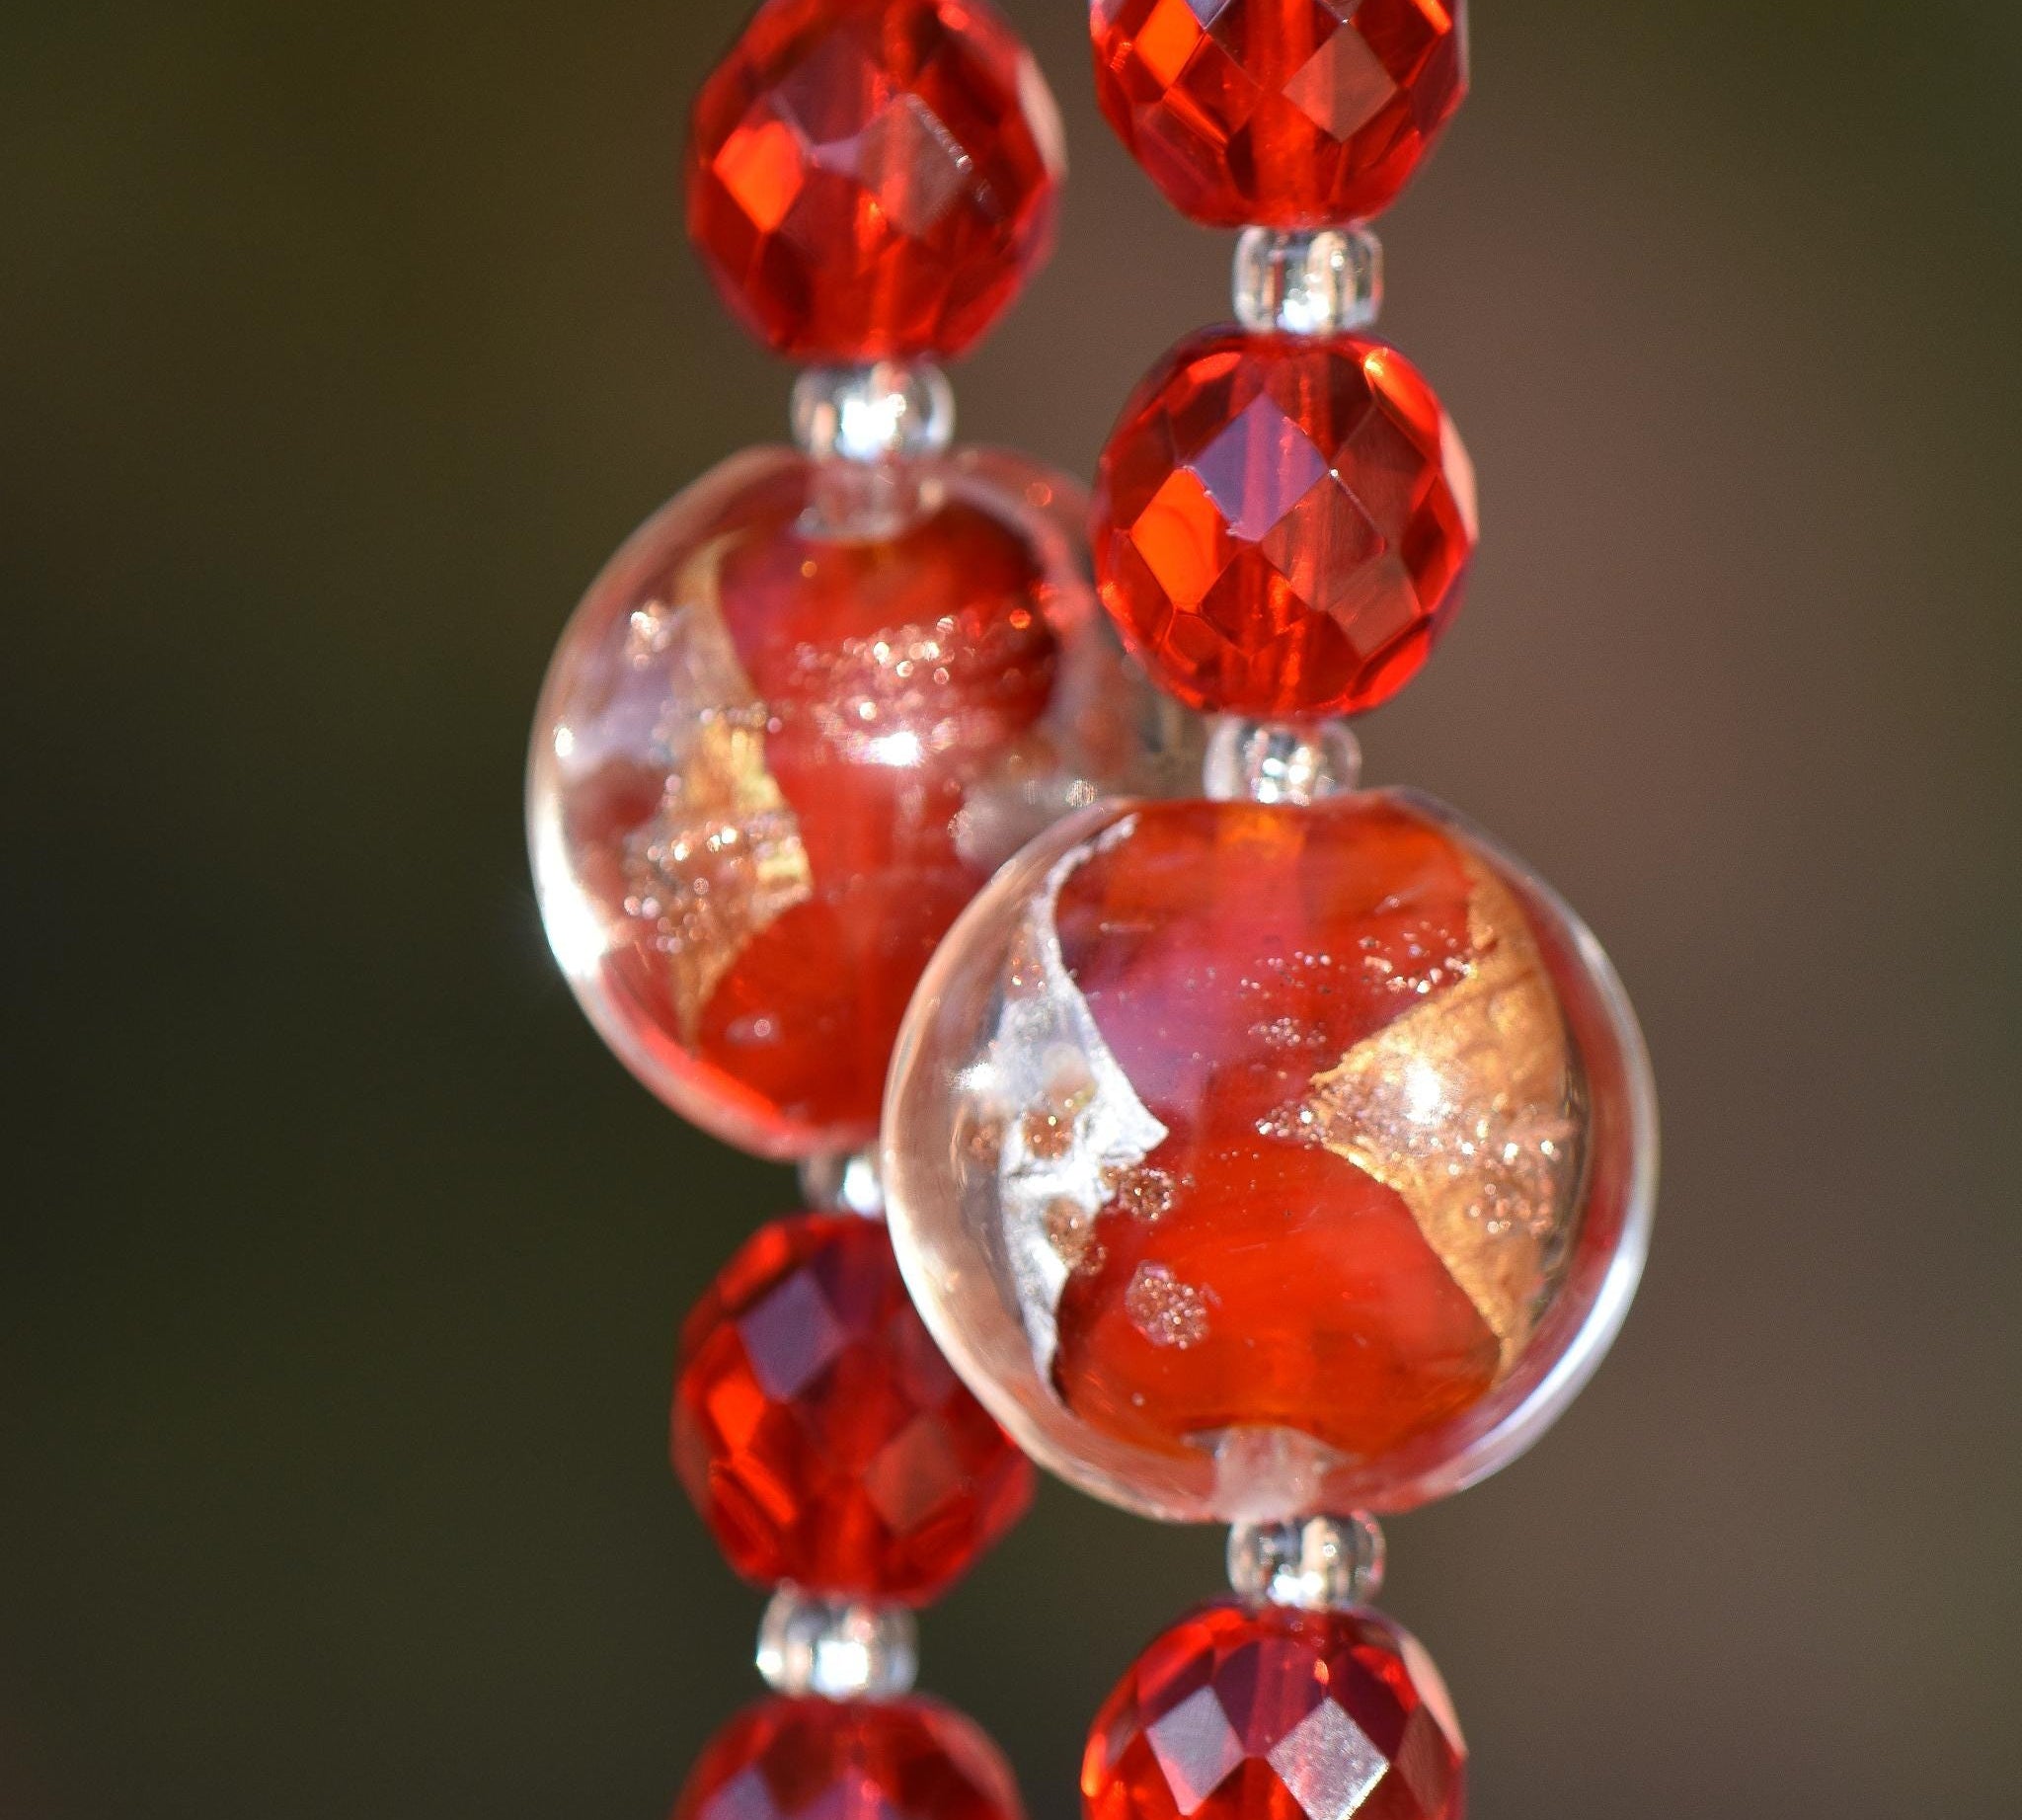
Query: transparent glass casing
point(1251, 1161)
point(796, 723)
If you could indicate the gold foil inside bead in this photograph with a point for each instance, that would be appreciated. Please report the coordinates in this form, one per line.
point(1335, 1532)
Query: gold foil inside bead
point(1467, 1107)
point(722, 859)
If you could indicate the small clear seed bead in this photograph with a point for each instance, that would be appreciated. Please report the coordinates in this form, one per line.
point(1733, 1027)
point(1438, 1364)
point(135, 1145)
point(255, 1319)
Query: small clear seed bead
point(837, 1648)
point(1323, 1563)
point(884, 411)
point(1280, 762)
point(1310, 282)
point(845, 1183)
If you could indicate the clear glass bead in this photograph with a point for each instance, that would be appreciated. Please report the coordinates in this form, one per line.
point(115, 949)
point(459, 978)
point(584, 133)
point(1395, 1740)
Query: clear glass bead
point(845, 1183)
point(1318, 1564)
point(1280, 762)
point(1308, 281)
point(878, 411)
point(837, 1649)
point(1249, 1161)
point(775, 758)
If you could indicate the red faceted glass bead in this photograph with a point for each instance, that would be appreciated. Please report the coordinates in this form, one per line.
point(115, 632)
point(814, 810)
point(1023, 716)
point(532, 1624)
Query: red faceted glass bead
point(1282, 526)
point(1280, 113)
point(821, 1434)
point(1277, 1714)
point(871, 179)
point(824, 1760)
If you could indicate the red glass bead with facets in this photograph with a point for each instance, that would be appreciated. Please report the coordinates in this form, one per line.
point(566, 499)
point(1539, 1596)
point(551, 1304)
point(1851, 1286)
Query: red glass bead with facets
point(1282, 113)
point(1283, 526)
point(825, 1760)
point(870, 179)
point(1277, 1714)
point(819, 1431)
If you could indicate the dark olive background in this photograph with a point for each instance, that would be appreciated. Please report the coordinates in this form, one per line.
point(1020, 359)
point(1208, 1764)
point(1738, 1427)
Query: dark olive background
point(338, 347)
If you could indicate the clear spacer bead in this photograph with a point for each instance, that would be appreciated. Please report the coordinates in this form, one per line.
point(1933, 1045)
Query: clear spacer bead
point(1319, 1563)
point(1280, 762)
point(837, 1649)
point(879, 412)
point(845, 1183)
point(1308, 282)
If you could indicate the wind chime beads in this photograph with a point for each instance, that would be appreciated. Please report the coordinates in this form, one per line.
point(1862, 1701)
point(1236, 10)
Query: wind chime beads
point(1293, 1152)
point(815, 701)
point(1273, 1156)
point(790, 731)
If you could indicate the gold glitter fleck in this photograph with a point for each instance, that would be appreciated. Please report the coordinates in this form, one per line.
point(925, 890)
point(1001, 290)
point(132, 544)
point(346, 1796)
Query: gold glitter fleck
point(1143, 1192)
point(1166, 1311)
point(722, 858)
point(1070, 1230)
point(1465, 1107)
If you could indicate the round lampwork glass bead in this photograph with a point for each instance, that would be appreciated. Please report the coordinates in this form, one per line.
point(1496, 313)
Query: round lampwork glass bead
point(1283, 524)
point(1280, 113)
point(1253, 1161)
point(874, 177)
point(820, 1760)
point(1258, 1714)
point(819, 1431)
point(796, 724)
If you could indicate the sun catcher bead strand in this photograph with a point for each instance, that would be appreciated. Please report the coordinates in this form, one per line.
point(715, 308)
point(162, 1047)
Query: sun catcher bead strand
point(1284, 514)
point(811, 706)
point(792, 729)
point(822, 1435)
point(838, 1459)
point(1288, 1155)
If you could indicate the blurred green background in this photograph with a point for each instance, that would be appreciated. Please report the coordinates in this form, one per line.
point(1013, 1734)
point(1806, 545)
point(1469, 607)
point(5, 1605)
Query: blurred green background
point(338, 347)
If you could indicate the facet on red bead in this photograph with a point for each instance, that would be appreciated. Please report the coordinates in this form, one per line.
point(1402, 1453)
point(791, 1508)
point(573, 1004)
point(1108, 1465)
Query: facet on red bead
point(870, 179)
point(1277, 1714)
point(779, 749)
point(822, 1436)
point(829, 1760)
point(1250, 1161)
point(1280, 113)
point(1283, 526)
